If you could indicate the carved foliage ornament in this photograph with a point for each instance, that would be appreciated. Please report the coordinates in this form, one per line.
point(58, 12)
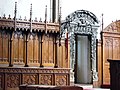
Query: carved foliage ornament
point(46, 79)
point(61, 80)
point(29, 78)
point(13, 80)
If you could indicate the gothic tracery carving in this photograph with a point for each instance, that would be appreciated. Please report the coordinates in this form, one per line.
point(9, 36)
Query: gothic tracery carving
point(46, 79)
point(13, 80)
point(29, 78)
point(61, 80)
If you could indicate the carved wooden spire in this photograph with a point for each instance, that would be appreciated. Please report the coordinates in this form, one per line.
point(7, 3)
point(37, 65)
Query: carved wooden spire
point(102, 22)
point(46, 19)
point(50, 9)
point(31, 18)
point(59, 20)
point(15, 13)
point(58, 9)
point(53, 11)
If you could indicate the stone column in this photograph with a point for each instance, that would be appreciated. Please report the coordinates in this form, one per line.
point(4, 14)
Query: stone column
point(72, 57)
point(93, 54)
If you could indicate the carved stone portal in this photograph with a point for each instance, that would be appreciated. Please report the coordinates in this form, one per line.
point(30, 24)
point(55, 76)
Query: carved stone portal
point(81, 22)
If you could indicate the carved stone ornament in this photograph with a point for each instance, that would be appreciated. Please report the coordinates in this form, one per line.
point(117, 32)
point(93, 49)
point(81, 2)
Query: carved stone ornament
point(81, 22)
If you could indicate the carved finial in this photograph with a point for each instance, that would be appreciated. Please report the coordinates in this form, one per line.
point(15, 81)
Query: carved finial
point(46, 13)
point(59, 18)
point(31, 12)
point(15, 13)
point(58, 10)
point(25, 18)
point(40, 19)
point(20, 18)
point(15, 10)
point(102, 22)
point(4, 17)
point(35, 19)
point(50, 10)
point(46, 20)
point(9, 17)
point(31, 18)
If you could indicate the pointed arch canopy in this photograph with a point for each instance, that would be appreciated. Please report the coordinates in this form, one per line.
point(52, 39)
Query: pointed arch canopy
point(81, 22)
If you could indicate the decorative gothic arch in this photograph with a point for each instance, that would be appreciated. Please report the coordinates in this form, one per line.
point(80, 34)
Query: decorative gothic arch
point(81, 22)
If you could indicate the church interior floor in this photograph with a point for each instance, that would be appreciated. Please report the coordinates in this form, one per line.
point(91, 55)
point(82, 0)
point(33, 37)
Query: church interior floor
point(89, 87)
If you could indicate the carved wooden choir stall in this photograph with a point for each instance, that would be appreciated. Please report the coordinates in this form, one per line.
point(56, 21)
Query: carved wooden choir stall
point(108, 48)
point(30, 53)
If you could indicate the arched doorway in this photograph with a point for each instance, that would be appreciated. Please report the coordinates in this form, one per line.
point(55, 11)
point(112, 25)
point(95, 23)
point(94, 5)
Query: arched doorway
point(82, 27)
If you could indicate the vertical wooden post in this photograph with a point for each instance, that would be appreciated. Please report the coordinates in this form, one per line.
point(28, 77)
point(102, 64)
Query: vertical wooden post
point(25, 50)
point(2, 44)
point(11, 37)
point(41, 64)
point(10, 49)
point(56, 56)
point(40, 49)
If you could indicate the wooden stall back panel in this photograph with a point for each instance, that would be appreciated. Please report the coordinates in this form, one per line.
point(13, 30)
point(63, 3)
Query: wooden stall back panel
point(116, 48)
point(3, 47)
point(45, 50)
point(36, 50)
point(21, 59)
point(111, 50)
point(48, 53)
point(30, 49)
point(107, 53)
point(18, 50)
point(61, 55)
point(50, 49)
point(99, 63)
point(33, 51)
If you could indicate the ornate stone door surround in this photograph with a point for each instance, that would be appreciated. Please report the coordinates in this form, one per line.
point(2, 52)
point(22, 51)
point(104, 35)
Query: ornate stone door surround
point(81, 22)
